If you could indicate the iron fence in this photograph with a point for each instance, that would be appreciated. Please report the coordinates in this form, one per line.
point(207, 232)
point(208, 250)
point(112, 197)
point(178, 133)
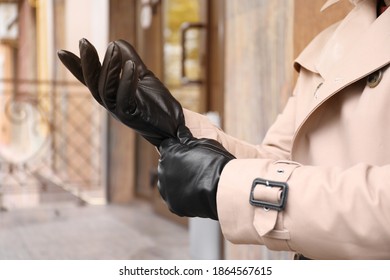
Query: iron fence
point(52, 133)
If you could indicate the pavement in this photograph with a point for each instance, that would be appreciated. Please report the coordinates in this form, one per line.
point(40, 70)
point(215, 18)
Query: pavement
point(71, 231)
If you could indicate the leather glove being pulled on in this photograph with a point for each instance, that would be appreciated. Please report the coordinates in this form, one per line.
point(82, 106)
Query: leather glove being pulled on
point(127, 89)
point(188, 173)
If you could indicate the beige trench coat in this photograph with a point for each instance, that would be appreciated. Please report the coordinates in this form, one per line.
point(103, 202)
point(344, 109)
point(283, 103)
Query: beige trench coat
point(331, 145)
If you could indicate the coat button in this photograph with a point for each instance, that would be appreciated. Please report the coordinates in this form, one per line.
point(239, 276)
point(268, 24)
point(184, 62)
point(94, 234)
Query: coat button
point(374, 79)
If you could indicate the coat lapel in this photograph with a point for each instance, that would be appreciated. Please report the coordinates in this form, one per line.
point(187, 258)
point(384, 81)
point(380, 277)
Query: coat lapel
point(359, 46)
point(328, 4)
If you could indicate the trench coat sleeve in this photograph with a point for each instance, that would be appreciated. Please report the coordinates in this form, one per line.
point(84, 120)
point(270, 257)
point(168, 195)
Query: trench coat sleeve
point(201, 127)
point(276, 144)
point(330, 213)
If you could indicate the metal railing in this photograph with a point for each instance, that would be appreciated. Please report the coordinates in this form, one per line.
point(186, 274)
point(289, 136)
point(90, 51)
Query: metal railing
point(51, 133)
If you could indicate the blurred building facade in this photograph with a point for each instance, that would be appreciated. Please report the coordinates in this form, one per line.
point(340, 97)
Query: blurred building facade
point(232, 58)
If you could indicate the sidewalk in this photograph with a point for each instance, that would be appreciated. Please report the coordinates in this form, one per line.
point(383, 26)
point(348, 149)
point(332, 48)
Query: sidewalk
point(68, 231)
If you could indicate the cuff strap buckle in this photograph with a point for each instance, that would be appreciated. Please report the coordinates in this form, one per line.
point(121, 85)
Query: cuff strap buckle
point(269, 184)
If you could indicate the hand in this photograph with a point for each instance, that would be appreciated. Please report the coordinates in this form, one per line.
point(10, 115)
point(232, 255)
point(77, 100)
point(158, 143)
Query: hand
point(188, 174)
point(127, 89)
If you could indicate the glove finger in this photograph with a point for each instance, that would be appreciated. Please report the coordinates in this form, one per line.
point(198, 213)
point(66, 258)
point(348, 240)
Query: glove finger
point(184, 134)
point(109, 76)
point(129, 53)
point(128, 84)
point(72, 63)
point(91, 67)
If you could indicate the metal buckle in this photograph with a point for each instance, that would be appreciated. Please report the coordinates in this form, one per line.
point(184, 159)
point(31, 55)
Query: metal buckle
point(269, 184)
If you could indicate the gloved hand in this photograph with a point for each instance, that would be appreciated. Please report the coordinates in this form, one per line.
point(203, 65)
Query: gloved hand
point(188, 173)
point(127, 89)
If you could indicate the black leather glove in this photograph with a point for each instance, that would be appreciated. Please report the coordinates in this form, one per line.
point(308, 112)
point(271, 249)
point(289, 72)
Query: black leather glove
point(127, 89)
point(188, 173)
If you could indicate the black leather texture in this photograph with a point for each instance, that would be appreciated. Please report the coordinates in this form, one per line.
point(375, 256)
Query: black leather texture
point(127, 89)
point(188, 173)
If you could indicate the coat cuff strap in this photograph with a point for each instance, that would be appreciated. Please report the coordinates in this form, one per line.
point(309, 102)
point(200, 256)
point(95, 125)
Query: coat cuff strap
point(265, 218)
